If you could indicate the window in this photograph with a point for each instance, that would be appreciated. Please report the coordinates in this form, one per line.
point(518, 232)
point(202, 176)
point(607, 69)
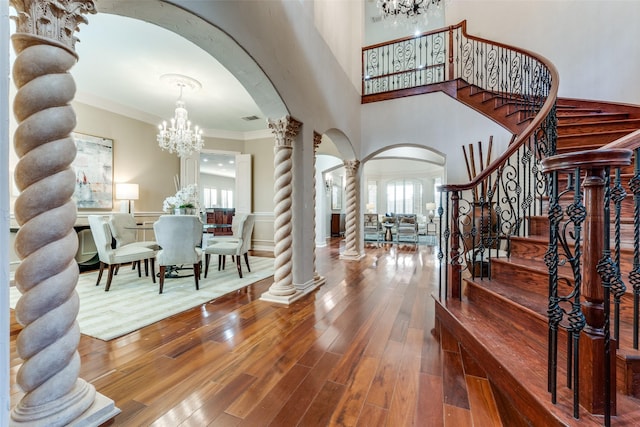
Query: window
point(404, 196)
point(372, 196)
point(226, 197)
point(210, 197)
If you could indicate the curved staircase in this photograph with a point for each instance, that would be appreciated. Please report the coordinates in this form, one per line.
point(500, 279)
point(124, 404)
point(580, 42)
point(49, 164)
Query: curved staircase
point(501, 320)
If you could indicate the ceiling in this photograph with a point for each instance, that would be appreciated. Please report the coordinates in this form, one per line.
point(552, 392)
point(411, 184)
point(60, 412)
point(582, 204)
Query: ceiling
point(120, 63)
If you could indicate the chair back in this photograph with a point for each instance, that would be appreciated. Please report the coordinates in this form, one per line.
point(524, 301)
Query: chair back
point(371, 222)
point(101, 236)
point(178, 235)
point(237, 219)
point(245, 229)
point(123, 228)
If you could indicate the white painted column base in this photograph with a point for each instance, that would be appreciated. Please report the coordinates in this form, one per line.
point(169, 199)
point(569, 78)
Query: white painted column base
point(319, 280)
point(282, 299)
point(101, 410)
point(351, 256)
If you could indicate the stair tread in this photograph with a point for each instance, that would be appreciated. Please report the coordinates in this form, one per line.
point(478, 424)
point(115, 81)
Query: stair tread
point(521, 352)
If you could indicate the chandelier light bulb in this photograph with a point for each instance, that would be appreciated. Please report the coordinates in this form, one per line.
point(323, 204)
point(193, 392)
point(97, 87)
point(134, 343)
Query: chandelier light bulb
point(179, 138)
point(408, 12)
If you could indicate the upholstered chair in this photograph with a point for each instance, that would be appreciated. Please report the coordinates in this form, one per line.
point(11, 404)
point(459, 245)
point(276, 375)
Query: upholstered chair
point(407, 228)
point(124, 231)
point(113, 257)
point(123, 228)
point(235, 248)
point(179, 236)
point(372, 225)
point(237, 219)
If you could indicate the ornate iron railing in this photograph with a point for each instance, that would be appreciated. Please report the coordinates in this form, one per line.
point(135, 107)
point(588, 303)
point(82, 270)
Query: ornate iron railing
point(575, 193)
point(405, 63)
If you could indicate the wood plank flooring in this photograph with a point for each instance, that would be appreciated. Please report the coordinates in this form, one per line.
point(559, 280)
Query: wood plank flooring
point(359, 351)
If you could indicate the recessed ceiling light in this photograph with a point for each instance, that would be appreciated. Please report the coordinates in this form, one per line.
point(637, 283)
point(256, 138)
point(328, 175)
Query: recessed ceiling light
point(219, 164)
point(205, 160)
point(231, 162)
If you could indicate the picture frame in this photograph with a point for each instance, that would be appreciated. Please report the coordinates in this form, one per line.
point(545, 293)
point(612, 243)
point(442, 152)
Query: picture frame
point(93, 167)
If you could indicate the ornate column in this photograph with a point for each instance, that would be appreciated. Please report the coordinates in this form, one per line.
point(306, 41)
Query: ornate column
point(317, 139)
point(282, 290)
point(46, 242)
point(351, 251)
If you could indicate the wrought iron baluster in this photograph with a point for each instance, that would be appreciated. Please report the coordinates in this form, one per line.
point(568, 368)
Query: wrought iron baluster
point(551, 258)
point(634, 275)
point(618, 194)
point(607, 270)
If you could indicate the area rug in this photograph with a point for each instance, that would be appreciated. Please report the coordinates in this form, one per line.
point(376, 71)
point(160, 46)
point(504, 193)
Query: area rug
point(134, 302)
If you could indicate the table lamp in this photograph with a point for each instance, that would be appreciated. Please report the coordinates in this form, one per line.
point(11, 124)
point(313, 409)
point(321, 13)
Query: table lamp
point(127, 193)
point(431, 208)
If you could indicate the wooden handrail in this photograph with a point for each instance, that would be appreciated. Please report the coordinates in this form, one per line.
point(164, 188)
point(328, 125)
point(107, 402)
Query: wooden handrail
point(630, 142)
point(528, 131)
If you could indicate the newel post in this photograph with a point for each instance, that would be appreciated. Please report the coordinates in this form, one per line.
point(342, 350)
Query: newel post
point(597, 360)
point(455, 268)
point(593, 341)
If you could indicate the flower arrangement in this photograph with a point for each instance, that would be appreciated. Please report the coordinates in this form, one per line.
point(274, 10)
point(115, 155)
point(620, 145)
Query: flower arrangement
point(186, 197)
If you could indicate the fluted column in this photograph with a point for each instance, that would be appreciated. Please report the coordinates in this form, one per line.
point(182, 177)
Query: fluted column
point(317, 279)
point(282, 290)
point(353, 207)
point(46, 242)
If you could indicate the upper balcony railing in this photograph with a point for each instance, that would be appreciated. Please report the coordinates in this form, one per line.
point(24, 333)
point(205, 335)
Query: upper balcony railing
point(581, 193)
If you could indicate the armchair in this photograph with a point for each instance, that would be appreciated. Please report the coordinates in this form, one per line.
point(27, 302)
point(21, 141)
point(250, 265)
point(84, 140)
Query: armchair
point(179, 237)
point(113, 257)
point(407, 228)
point(372, 226)
point(232, 247)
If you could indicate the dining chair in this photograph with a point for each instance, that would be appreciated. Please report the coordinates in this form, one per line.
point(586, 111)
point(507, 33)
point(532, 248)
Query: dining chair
point(234, 237)
point(113, 257)
point(235, 248)
point(124, 230)
point(179, 237)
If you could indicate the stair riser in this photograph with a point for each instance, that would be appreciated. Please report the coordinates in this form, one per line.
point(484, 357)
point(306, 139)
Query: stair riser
point(529, 279)
point(603, 126)
point(586, 141)
point(529, 249)
point(572, 118)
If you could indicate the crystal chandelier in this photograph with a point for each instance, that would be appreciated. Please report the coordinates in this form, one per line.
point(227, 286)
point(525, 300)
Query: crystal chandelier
point(410, 11)
point(179, 137)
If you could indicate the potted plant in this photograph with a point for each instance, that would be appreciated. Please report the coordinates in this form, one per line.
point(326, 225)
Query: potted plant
point(184, 202)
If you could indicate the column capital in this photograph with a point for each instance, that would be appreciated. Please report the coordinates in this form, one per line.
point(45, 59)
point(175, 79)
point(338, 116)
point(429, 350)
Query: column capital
point(351, 166)
point(50, 21)
point(317, 139)
point(285, 130)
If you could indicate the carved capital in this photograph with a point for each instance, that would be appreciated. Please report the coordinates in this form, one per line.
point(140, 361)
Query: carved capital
point(285, 130)
point(53, 21)
point(317, 139)
point(351, 167)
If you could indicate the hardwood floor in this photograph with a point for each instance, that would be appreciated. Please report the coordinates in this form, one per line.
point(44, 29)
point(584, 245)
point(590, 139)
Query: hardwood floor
point(359, 351)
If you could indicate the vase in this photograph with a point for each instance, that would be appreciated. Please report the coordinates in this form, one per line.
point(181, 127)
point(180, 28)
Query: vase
point(178, 211)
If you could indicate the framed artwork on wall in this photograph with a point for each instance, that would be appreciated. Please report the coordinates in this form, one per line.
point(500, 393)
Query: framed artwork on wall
point(94, 172)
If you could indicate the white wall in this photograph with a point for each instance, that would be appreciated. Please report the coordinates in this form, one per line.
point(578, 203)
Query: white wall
point(593, 44)
point(433, 121)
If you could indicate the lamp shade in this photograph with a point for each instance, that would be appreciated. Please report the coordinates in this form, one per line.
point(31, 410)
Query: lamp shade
point(430, 206)
point(125, 191)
